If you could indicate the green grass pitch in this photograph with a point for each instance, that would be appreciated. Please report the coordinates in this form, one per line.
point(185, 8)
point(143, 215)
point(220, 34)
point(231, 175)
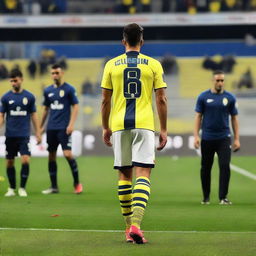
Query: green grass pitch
point(175, 222)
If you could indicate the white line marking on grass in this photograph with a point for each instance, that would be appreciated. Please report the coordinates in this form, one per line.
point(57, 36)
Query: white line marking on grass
point(243, 172)
point(121, 231)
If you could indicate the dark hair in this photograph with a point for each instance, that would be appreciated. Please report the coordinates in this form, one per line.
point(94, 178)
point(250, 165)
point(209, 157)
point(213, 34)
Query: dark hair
point(133, 34)
point(56, 65)
point(15, 73)
point(218, 72)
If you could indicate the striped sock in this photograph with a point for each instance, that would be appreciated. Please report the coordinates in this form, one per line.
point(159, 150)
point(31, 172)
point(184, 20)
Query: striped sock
point(125, 198)
point(141, 194)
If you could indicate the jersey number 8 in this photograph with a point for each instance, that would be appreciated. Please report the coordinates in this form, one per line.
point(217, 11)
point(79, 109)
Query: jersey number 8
point(132, 83)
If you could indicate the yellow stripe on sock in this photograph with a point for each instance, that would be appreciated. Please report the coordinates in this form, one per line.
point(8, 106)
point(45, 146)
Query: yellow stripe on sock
point(124, 182)
point(126, 211)
point(141, 194)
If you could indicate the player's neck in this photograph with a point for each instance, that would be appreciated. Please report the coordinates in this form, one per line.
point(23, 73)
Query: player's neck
point(59, 84)
point(17, 91)
point(213, 90)
point(132, 49)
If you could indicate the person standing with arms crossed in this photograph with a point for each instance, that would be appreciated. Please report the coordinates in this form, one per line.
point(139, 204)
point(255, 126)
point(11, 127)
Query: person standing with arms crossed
point(58, 100)
point(19, 107)
point(129, 81)
point(213, 109)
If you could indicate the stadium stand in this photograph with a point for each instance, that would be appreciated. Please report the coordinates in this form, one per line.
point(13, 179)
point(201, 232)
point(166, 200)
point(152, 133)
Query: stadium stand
point(79, 69)
point(124, 6)
point(183, 88)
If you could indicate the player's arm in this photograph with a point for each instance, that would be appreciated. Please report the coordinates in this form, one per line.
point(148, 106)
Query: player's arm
point(44, 117)
point(105, 113)
point(161, 104)
point(235, 127)
point(197, 127)
point(35, 122)
point(1, 119)
point(74, 113)
point(3, 109)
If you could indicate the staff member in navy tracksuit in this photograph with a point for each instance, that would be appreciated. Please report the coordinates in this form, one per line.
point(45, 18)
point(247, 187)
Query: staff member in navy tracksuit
point(213, 109)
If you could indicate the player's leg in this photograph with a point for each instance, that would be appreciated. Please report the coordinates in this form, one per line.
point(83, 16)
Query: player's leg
point(143, 158)
point(224, 156)
point(74, 170)
point(125, 198)
point(207, 152)
point(24, 173)
point(52, 167)
point(24, 170)
point(24, 149)
point(141, 193)
point(11, 152)
point(11, 174)
point(123, 163)
point(52, 141)
point(66, 144)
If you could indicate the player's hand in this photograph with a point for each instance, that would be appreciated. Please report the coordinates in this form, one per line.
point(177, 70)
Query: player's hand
point(162, 140)
point(38, 138)
point(236, 145)
point(69, 129)
point(196, 142)
point(106, 134)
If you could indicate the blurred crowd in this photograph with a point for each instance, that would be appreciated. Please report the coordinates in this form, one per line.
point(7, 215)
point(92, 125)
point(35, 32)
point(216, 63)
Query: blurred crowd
point(185, 6)
point(39, 66)
point(124, 6)
point(33, 6)
point(194, 6)
point(226, 63)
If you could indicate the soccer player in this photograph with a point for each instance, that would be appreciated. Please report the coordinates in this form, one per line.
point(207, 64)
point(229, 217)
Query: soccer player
point(19, 107)
point(129, 81)
point(213, 109)
point(59, 98)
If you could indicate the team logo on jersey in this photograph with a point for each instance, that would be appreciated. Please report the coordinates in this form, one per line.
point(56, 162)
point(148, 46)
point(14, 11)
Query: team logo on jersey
point(62, 93)
point(50, 94)
point(225, 101)
point(11, 102)
point(209, 100)
point(25, 101)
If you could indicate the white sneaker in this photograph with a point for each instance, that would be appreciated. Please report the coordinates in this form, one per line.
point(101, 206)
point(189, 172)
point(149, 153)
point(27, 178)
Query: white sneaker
point(225, 201)
point(22, 192)
point(50, 191)
point(10, 192)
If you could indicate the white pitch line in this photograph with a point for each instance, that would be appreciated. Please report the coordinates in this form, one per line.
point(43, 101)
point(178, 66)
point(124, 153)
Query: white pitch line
point(121, 231)
point(243, 171)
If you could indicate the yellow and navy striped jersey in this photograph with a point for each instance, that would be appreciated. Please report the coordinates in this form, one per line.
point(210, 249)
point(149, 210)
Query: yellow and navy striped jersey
point(132, 77)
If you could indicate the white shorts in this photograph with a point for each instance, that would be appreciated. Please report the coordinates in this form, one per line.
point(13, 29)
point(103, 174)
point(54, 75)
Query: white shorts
point(134, 147)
